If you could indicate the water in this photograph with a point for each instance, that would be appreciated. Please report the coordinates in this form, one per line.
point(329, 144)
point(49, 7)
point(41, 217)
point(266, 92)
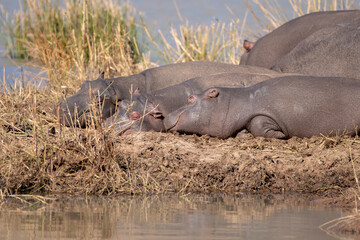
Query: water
point(17, 72)
point(168, 217)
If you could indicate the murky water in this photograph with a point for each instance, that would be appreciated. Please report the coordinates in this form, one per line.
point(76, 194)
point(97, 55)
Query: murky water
point(168, 217)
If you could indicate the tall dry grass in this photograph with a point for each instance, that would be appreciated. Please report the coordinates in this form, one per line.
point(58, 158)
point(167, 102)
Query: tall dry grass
point(223, 41)
point(76, 41)
point(218, 42)
point(38, 155)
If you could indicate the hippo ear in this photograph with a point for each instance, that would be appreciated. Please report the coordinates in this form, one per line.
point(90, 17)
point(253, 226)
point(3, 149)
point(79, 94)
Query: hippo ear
point(248, 45)
point(101, 76)
point(212, 93)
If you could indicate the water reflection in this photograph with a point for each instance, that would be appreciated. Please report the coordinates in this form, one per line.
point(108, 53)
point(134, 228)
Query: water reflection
point(168, 217)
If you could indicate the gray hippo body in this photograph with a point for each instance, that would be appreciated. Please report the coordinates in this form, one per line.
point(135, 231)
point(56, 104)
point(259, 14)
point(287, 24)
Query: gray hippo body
point(102, 95)
point(273, 46)
point(283, 107)
point(331, 51)
point(145, 112)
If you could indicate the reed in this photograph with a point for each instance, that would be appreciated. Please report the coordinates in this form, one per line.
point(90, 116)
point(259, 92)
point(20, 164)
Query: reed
point(223, 42)
point(76, 41)
point(218, 42)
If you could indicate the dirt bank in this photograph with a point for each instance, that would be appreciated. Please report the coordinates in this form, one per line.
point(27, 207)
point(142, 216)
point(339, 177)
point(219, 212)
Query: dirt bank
point(92, 161)
point(204, 163)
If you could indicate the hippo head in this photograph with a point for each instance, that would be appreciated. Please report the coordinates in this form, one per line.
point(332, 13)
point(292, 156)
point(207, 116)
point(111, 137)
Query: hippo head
point(205, 113)
point(94, 99)
point(135, 115)
point(247, 46)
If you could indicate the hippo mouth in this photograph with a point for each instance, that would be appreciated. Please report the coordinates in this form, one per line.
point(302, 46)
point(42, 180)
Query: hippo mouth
point(126, 127)
point(123, 129)
point(171, 122)
point(129, 127)
point(169, 128)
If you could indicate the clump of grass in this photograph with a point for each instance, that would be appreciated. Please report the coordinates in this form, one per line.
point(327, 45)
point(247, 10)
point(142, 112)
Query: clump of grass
point(218, 42)
point(80, 39)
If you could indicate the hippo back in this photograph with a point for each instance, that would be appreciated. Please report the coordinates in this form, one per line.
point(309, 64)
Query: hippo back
point(270, 48)
point(332, 51)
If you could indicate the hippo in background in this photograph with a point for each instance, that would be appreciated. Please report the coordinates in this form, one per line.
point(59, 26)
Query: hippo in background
point(247, 46)
point(145, 112)
point(283, 107)
point(331, 51)
point(101, 96)
point(272, 47)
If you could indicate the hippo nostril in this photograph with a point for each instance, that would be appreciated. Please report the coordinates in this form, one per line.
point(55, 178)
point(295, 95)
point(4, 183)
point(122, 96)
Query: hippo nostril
point(134, 116)
point(191, 99)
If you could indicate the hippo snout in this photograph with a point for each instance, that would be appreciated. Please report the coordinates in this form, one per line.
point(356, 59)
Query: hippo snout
point(172, 119)
point(69, 114)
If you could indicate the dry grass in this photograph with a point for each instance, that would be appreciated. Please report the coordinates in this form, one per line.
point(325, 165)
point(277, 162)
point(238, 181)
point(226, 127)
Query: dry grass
point(75, 42)
point(223, 42)
point(39, 155)
point(218, 42)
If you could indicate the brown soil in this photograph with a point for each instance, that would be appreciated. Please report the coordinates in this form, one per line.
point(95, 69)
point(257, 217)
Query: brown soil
point(198, 164)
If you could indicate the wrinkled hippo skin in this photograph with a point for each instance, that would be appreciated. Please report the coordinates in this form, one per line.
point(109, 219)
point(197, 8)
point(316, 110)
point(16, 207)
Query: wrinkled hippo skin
point(283, 107)
point(145, 112)
point(105, 94)
point(331, 51)
point(273, 46)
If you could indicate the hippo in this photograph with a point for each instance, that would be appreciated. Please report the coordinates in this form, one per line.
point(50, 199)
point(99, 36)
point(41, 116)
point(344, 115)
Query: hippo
point(273, 46)
point(332, 51)
point(283, 107)
point(247, 46)
point(102, 95)
point(145, 112)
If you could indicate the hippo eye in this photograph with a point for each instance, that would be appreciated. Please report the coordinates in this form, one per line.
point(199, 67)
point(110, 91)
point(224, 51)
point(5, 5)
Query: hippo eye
point(191, 99)
point(134, 116)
